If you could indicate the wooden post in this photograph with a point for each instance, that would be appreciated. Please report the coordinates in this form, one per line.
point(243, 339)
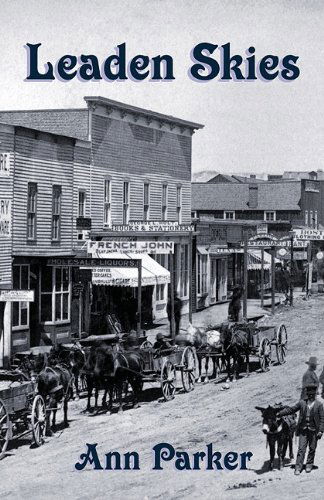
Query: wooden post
point(310, 267)
point(139, 297)
point(80, 313)
point(291, 284)
point(190, 276)
point(262, 277)
point(172, 296)
point(273, 279)
point(245, 274)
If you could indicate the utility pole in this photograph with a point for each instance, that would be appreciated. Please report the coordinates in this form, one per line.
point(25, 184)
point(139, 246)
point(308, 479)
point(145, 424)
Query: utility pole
point(273, 280)
point(291, 271)
point(245, 274)
point(262, 277)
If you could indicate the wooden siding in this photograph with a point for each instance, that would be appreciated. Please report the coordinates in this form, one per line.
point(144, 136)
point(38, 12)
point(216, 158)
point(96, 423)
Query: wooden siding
point(122, 154)
point(46, 161)
point(82, 169)
point(6, 187)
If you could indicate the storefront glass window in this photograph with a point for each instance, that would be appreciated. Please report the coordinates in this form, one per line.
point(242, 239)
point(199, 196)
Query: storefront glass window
point(184, 270)
point(20, 310)
point(202, 274)
point(55, 294)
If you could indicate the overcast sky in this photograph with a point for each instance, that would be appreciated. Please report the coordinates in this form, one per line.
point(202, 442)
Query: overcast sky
point(249, 126)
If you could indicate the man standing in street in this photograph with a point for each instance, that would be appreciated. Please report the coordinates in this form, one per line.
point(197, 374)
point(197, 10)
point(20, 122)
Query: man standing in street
point(310, 427)
point(177, 313)
point(310, 376)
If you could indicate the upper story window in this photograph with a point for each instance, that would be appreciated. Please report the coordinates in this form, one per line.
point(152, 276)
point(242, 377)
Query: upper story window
point(164, 202)
point(311, 219)
point(229, 214)
point(179, 204)
point(126, 202)
point(146, 201)
point(315, 220)
point(31, 211)
point(82, 203)
point(270, 216)
point(107, 203)
point(56, 213)
point(306, 217)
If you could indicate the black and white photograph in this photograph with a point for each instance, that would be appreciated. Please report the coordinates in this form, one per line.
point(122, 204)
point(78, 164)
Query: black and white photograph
point(161, 249)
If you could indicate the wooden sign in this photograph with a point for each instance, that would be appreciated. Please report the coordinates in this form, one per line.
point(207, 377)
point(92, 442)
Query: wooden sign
point(17, 295)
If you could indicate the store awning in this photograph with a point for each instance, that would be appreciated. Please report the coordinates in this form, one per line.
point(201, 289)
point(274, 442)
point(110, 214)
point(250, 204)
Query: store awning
point(152, 272)
point(202, 250)
point(254, 260)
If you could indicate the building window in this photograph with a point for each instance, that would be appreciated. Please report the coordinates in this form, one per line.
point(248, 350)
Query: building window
point(164, 202)
point(184, 270)
point(82, 203)
point(20, 310)
point(315, 220)
point(56, 213)
point(126, 202)
point(179, 204)
point(270, 216)
point(202, 274)
point(311, 220)
point(107, 203)
point(229, 214)
point(55, 286)
point(146, 201)
point(31, 211)
point(306, 217)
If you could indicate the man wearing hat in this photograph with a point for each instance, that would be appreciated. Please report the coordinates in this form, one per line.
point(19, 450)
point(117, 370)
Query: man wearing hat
point(310, 427)
point(310, 376)
point(161, 342)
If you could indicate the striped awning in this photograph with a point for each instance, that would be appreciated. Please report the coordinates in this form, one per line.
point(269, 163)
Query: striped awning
point(255, 259)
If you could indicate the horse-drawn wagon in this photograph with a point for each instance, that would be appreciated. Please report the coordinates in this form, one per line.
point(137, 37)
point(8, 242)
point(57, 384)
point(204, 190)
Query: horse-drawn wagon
point(22, 410)
point(163, 365)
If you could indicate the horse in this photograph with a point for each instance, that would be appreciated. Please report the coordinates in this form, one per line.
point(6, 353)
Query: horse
point(88, 373)
point(236, 343)
point(115, 368)
point(278, 430)
point(54, 384)
point(74, 358)
point(205, 341)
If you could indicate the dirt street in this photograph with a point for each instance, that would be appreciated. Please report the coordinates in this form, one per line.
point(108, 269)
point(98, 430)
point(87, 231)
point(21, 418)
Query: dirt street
point(226, 418)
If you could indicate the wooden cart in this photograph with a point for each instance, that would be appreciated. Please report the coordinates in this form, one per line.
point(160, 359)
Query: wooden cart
point(22, 411)
point(162, 367)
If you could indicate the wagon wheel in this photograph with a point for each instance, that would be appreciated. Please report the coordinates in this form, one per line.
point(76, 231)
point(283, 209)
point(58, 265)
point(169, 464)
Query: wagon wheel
point(38, 420)
point(188, 370)
point(4, 429)
point(168, 377)
point(146, 344)
point(265, 354)
point(281, 343)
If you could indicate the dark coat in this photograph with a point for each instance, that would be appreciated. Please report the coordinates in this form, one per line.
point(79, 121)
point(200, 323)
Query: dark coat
point(177, 308)
point(316, 415)
point(309, 378)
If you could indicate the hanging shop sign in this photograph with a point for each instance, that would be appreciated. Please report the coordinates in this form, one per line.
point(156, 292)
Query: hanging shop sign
point(309, 234)
point(4, 164)
point(319, 255)
point(5, 218)
point(262, 229)
point(272, 241)
point(17, 295)
point(151, 247)
point(89, 262)
point(152, 226)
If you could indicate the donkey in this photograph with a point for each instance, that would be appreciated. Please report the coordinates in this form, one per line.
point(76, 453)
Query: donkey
point(278, 430)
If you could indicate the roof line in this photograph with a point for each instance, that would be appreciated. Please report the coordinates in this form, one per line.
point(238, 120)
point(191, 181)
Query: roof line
point(40, 110)
point(43, 131)
point(161, 116)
